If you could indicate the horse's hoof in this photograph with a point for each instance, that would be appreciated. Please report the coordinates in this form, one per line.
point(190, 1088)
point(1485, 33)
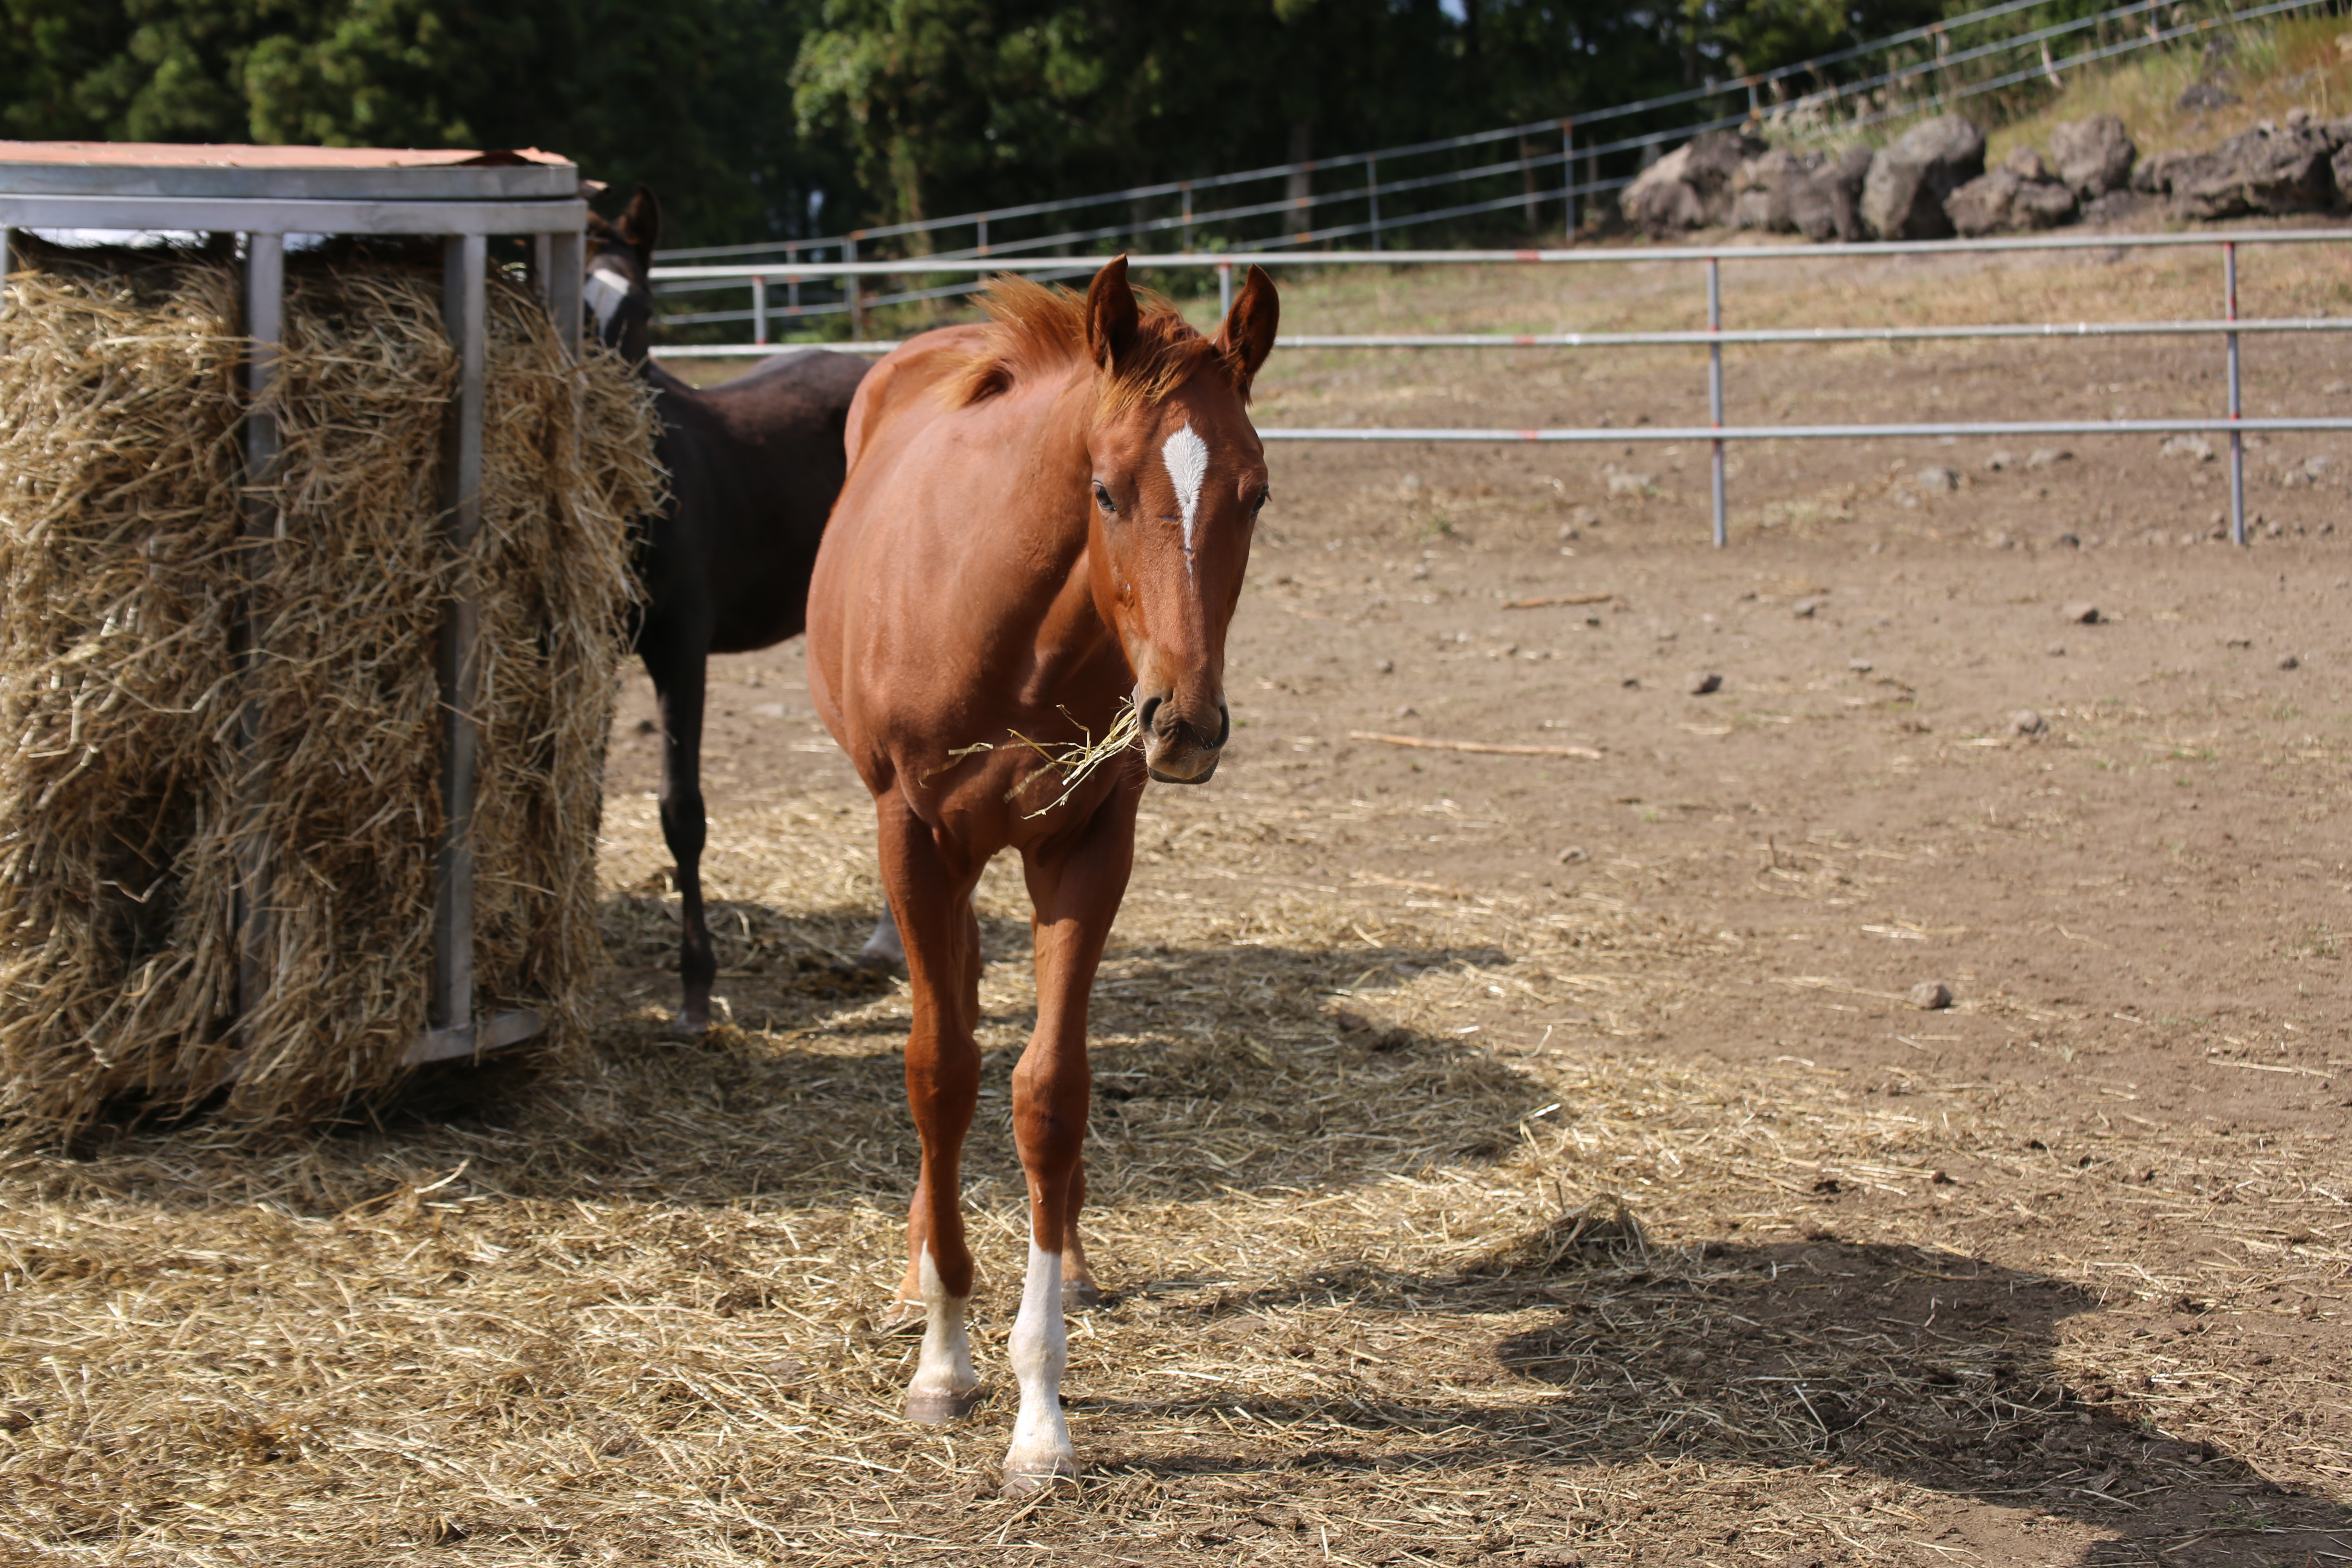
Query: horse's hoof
point(688, 1022)
point(1028, 1480)
point(1080, 1295)
point(938, 1409)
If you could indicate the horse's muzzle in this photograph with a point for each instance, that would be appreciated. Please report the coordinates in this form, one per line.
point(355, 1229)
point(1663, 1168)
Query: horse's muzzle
point(1176, 750)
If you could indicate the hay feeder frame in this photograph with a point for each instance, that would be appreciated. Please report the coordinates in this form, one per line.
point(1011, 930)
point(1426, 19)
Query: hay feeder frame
point(266, 195)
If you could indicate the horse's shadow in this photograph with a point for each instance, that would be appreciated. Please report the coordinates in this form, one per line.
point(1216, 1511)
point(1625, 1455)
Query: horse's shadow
point(1815, 1354)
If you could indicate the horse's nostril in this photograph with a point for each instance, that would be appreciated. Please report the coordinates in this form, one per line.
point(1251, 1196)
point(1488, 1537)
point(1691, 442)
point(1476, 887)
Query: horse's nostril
point(1149, 711)
point(1224, 727)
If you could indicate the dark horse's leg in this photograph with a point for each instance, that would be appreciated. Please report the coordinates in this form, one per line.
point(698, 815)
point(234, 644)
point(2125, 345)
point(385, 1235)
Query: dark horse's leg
point(932, 896)
point(1076, 883)
point(676, 660)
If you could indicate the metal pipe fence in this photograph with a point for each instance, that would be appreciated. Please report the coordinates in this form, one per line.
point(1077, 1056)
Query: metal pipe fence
point(1832, 106)
point(2229, 326)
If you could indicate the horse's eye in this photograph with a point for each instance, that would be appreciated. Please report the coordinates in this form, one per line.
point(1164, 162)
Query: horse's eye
point(1258, 505)
point(1102, 500)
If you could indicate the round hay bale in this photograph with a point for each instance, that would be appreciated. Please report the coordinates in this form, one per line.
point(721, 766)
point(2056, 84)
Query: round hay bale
point(143, 761)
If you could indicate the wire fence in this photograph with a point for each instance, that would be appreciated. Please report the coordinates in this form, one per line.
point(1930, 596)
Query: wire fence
point(2230, 421)
point(1551, 169)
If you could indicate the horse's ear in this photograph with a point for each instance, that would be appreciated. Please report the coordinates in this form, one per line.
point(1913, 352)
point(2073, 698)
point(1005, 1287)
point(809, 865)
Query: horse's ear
point(1111, 316)
point(1247, 336)
point(641, 225)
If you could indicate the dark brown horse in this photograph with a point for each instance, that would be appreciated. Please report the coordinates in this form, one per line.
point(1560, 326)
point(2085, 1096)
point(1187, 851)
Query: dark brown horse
point(1046, 519)
point(754, 465)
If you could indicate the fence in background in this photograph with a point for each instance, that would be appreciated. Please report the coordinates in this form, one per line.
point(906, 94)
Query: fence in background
point(2228, 326)
point(1539, 167)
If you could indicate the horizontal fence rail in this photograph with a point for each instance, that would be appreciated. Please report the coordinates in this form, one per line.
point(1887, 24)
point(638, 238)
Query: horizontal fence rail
point(2229, 326)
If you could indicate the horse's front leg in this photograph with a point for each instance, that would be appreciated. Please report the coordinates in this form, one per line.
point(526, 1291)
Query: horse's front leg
point(1074, 887)
point(933, 904)
point(678, 655)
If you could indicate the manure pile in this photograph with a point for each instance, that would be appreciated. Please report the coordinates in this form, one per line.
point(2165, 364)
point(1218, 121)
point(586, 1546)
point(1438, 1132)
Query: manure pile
point(129, 795)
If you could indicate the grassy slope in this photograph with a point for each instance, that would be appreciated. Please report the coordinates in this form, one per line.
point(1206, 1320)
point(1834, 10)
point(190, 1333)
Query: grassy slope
point(2306, 62)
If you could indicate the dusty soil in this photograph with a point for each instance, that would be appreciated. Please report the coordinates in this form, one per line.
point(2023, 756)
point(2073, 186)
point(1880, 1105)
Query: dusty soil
point(1515, 1158)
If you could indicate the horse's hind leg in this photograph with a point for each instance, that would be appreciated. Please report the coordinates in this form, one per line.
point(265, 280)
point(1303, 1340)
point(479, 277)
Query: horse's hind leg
point(1074, 888)
point(933, 904)
point(678, 662)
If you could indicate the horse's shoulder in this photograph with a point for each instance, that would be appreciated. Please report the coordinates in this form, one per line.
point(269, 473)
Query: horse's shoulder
point(908, 371)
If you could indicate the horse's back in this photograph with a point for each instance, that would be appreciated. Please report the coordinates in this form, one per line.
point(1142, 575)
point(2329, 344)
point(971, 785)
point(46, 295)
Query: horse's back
point(895, 388)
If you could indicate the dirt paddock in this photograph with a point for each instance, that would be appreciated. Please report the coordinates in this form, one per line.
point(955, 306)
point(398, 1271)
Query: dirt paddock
point(1512, 1158)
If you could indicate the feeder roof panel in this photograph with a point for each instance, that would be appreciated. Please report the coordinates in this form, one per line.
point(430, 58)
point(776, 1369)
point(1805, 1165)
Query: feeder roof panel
point(308, 174)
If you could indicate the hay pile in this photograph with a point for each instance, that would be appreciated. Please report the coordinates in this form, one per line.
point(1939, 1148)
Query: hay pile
point(126, 802)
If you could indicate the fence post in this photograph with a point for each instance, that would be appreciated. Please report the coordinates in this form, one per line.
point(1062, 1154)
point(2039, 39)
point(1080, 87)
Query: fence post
point(1372, 185)
point(2237, 406)
point(759, 309)
point(1224, 290)
point(982, 247)
point(1527, 183)
point(1714, 385)
point(856, 290)
point(1568, 180)
point(1187, 188)
point(791, 282)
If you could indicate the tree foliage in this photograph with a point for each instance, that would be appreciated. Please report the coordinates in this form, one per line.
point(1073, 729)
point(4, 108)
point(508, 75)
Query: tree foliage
point(776, 118)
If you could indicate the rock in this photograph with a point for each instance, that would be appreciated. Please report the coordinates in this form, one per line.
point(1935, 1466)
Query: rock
point(2115, 208)
point(1764, 190)
point(2186, 446)
point(1386, 666)
point(2152, 177)
point(2290, 662)
point(2020, 194)
point(2081, 613)
point(2203, 95)
point(2000, 460)
point(1825, 198)
point(2276, 170)
point(1701, 683)
point(2068, 541)
point(1690, 187)
point(2046, 457)
point(1404, 711)
point(1903, 196)
point(2339, 167)
point(1860, 665)
point(2093, 156)
point(2027, 721)
point(1571, 854)
point(1803, 610)
point(1623, 484)
point(1931, 996)
point(2057, 650)
point(1660, 202)
point(1936, 479)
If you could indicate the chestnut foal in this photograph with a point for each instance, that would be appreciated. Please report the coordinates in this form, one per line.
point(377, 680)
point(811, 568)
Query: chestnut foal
point(1045, 517)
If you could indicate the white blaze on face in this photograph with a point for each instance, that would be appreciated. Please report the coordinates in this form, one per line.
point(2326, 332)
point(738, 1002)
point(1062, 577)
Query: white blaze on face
point(606, 287)
point(1187, 457)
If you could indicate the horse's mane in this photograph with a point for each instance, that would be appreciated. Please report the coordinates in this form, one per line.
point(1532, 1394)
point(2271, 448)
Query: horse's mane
point(1034, 330)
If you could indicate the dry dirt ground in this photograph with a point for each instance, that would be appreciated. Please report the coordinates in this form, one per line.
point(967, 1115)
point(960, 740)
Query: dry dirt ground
point(1511, 1158)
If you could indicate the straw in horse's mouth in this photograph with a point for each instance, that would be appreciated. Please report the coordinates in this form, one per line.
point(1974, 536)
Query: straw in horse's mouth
point(1077, 762)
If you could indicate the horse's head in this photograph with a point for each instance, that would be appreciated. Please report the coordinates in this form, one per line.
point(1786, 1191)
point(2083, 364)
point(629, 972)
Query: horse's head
point(618, 295)
point(1178, 477)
